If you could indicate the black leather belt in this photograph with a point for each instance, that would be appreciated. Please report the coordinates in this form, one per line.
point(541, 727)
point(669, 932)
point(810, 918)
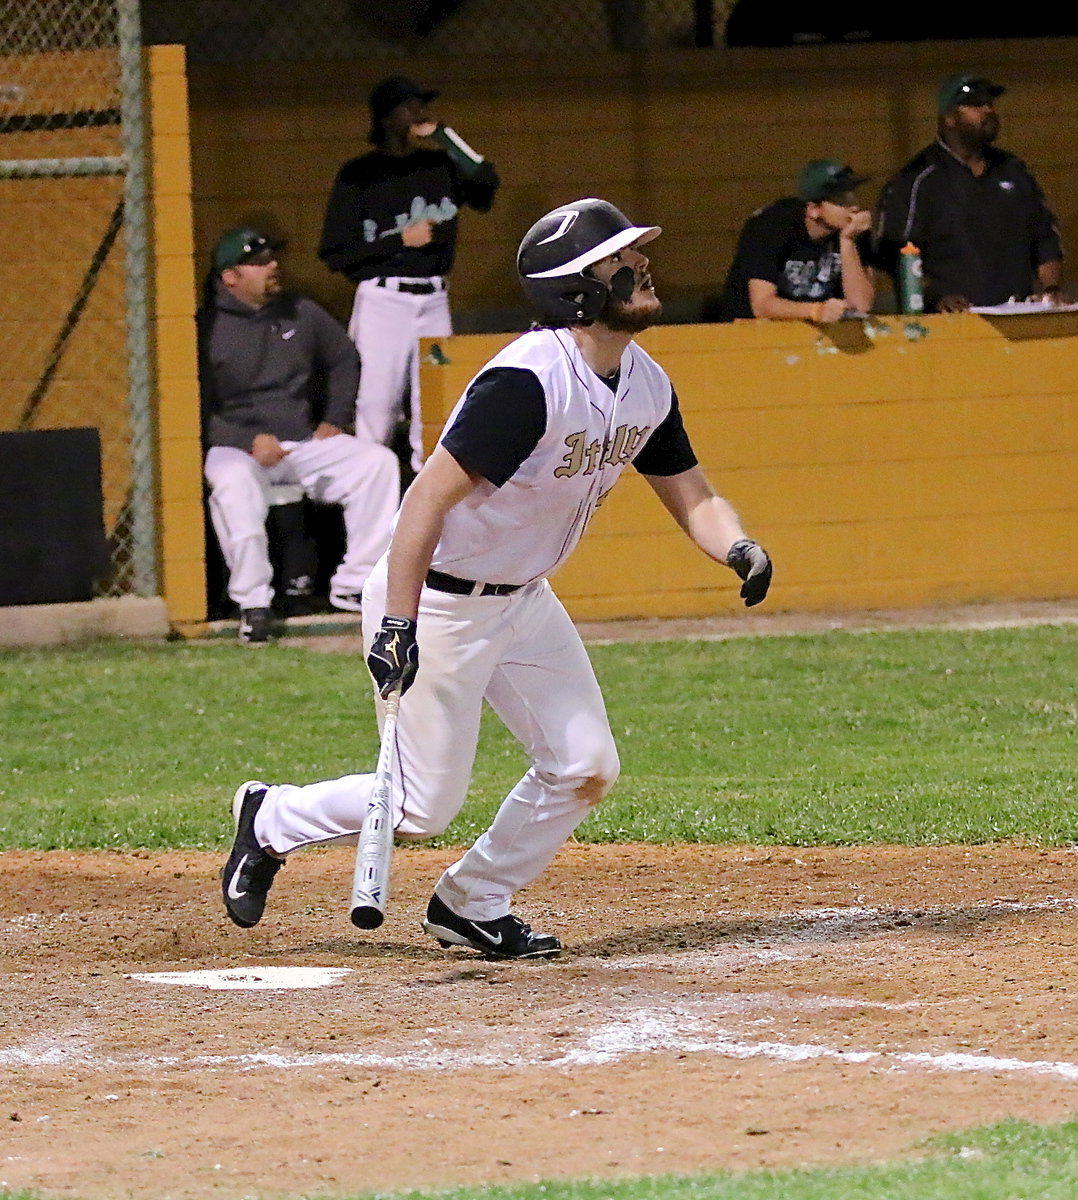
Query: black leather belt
point(468, 587)
point(415, 289)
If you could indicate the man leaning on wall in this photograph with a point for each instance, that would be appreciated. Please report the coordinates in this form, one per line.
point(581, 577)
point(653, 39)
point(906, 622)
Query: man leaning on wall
point(804, 257)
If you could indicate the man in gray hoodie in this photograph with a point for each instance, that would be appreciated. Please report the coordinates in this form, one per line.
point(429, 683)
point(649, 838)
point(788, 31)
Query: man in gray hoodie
point(278, 378)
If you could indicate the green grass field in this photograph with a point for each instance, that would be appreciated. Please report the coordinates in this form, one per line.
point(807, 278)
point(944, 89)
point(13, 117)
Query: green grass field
point(907, 737)
point(1010, 1161)
point(910, 737)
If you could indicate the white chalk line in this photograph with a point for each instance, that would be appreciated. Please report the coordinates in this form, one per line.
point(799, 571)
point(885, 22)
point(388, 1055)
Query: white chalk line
point(678, 1027)
point(681, 1028)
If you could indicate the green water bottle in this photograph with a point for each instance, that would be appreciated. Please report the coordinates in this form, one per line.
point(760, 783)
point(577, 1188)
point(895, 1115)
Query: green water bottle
point(911, 284)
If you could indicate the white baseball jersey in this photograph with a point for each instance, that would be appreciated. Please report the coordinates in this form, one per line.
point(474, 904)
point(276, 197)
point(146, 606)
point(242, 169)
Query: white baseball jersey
point(525, 528)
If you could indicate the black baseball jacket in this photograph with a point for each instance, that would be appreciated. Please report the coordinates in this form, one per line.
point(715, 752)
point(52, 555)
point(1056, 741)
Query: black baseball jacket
point(980, 236)
point(376, 195)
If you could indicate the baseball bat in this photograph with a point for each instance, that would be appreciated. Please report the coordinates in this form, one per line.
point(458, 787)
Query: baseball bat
point(374, 853)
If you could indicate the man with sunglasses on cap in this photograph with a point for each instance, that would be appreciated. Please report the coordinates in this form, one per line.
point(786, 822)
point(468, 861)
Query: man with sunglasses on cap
point(804, 258)
point(975, 212)
point(391, 228)
point(278, 378)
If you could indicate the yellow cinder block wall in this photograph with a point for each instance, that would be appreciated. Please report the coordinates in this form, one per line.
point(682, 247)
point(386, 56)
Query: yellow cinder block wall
point(880, 470)
point(884, 464)
point(180, 519)
point(693, 140)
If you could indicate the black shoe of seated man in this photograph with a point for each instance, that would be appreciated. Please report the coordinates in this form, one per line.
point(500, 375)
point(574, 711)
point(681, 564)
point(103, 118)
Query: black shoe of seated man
point(507, 937)
point(257, 626)
point(250, 871)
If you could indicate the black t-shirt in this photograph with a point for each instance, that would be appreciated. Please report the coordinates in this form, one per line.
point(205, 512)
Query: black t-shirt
point(504, 416)
point(775, 246)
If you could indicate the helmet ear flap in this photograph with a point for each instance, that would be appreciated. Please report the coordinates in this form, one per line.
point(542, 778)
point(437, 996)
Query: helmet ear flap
point(590, 298)
point(570, 299)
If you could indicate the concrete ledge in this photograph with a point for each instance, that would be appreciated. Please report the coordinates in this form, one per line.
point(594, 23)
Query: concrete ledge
point(58, 624)
point(325, 624)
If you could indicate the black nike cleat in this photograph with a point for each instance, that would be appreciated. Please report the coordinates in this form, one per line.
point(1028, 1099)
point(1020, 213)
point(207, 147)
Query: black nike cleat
point(507, 937)
point(249, 872)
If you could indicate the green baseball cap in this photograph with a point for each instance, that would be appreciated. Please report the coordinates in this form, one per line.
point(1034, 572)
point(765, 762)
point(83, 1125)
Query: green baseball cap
point(966, 89)
point(241, 245)
point(826, 178)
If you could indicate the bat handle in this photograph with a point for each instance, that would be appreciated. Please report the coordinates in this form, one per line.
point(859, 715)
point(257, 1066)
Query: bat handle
point(393, 703)
point(371, 882)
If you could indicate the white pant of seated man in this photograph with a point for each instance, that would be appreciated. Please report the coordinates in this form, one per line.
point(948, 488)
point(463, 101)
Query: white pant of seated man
point(386, 326)
point(522, 654)
point(363, 478)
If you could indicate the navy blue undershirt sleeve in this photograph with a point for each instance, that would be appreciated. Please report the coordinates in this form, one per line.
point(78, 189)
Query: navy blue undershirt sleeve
point(499, 424)
point(668, 450)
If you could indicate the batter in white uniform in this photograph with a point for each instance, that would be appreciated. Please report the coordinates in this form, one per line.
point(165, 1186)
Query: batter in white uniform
point(460, 610)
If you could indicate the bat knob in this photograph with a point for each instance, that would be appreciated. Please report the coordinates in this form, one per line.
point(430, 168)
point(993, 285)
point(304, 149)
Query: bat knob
point(366, 916)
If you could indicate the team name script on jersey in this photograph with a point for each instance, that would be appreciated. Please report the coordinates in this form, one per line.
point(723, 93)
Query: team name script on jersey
point(419, 210)
point(590, 456)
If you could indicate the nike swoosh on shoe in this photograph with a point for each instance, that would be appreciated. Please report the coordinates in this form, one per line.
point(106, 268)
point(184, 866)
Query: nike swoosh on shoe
point(233, 892)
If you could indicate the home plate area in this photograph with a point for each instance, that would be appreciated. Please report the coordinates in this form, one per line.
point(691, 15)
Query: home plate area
point(716, 1007)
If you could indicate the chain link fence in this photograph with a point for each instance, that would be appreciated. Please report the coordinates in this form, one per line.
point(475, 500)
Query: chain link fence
point(216, 31)
point(73, 274)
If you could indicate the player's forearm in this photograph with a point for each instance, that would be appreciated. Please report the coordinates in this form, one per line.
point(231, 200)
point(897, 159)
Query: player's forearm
point(1050, 275)
point(704, 515)
point(409, 559)
point(439, 486)
point(776, 308)
point(857, 283)
point(714, 527)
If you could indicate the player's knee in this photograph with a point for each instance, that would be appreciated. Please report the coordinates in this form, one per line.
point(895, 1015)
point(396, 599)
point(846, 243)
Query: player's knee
point(401, 834)
point(419, 827)
point(601, 777)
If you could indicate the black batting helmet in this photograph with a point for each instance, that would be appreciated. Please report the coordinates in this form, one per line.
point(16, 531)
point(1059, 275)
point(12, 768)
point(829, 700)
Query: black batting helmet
point(555, 254)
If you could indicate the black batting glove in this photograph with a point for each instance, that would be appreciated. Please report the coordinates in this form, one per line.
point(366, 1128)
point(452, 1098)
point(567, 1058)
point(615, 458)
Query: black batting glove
point(394, 656)
point(749, 561)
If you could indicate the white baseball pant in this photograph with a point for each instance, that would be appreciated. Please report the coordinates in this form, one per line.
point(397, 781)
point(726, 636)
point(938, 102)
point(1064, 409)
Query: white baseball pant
point(385, 326)
point(521, 653)
point(363, 478)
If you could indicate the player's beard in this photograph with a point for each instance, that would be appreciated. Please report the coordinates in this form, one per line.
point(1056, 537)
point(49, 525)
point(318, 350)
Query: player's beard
point(640, 312)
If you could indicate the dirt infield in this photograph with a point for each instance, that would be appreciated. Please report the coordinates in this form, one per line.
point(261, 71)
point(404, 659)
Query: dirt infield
point(716, 1007)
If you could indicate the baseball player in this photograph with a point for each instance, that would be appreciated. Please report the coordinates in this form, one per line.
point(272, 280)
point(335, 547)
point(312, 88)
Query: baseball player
point(391, 228)
point(460, 609)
